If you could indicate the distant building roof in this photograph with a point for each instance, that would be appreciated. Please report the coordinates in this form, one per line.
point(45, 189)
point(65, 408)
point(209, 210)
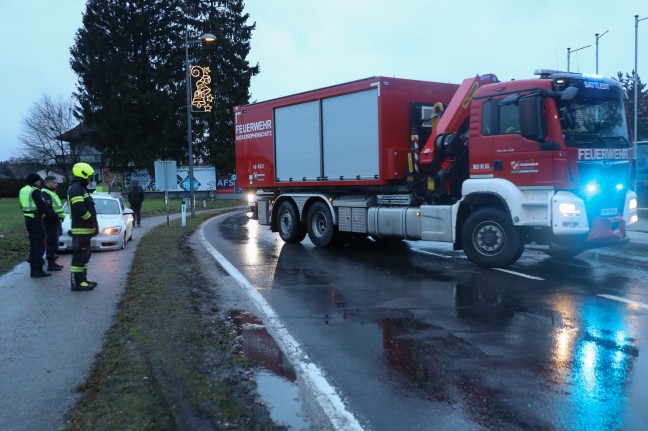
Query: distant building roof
point(77, 133)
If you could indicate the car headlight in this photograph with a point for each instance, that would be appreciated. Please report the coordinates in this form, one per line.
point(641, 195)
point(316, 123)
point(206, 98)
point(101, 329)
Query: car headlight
point(569, 209)
point(111, 230)
point(251, 198)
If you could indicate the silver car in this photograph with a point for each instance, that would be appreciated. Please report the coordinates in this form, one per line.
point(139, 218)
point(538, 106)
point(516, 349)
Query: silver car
point(115, 224)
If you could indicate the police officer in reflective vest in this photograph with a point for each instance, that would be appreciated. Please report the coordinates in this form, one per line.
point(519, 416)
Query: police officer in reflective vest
point(83, 219)
point(52, 223)
point(34, 208)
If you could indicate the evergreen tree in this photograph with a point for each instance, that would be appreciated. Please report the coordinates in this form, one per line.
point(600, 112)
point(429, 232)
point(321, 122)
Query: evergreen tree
point(642, 103)
point(128, 57)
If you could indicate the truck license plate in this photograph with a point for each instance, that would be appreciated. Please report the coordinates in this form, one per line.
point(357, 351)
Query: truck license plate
point(608, 211)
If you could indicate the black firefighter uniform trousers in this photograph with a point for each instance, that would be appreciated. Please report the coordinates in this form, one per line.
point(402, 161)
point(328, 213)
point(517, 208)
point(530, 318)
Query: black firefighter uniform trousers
point(81, 253)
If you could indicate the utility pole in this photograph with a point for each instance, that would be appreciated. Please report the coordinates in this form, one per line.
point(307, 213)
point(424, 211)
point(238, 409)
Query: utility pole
point(597, 43)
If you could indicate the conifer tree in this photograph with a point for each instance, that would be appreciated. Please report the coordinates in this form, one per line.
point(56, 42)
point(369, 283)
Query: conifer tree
point(642, 103)
point(129, 58)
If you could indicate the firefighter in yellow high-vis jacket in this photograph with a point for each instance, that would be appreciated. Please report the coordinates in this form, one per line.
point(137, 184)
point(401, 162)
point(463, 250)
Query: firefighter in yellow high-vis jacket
point(83, 218)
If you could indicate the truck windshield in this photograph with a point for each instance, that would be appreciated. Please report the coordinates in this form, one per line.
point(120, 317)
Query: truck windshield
point(594, 123)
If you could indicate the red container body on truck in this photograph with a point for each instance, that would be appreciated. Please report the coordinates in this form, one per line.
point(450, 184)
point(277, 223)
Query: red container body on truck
point(490, 167)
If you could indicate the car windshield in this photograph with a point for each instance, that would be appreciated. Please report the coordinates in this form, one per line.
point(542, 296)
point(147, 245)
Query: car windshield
point(594, 123)
point(106, 206)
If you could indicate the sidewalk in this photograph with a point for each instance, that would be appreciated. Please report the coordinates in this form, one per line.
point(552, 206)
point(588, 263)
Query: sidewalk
point(50, 335)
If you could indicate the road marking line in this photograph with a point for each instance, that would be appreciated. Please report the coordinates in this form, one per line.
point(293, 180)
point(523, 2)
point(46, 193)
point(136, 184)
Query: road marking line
point(432, 254)
point(519, 274)
point(626, 301)
point(327, 397)
point(438, 254)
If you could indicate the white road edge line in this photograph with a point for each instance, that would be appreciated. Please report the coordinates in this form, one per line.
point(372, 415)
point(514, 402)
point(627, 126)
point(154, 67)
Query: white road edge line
point(626, 301)
point(445, 256)
point(519, 274)
point(327, 397)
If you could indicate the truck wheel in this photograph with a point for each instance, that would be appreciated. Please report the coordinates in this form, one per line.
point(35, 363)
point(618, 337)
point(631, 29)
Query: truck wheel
point(320, 225)
point(490, 239)
point(290, 229)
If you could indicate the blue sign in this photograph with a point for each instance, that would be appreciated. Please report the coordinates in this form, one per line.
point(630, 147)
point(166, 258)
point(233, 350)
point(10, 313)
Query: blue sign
point(185, 184)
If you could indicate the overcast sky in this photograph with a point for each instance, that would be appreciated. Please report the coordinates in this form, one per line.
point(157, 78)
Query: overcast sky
point(307, 44)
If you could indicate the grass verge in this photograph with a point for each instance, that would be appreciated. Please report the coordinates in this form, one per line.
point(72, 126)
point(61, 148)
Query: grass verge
point(170, 360)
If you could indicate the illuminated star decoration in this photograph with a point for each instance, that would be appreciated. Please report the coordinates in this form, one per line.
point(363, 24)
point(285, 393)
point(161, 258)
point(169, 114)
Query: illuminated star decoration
point(202, 98)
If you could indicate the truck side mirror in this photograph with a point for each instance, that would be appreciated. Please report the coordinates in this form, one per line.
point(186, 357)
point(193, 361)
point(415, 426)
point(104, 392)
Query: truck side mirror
point(533, 121)
point(569, 94)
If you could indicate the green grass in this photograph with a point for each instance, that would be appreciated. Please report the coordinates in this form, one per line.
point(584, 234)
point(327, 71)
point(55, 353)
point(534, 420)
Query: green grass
point(164, 365)
point(13, 235)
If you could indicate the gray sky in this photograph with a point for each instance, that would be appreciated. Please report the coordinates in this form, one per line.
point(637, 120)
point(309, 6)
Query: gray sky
point(307, 44)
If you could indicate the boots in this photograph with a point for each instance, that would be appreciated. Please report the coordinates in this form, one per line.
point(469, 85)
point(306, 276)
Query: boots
point(52, 265)
point(79, 283)
point(36, 271)
point(87, 280)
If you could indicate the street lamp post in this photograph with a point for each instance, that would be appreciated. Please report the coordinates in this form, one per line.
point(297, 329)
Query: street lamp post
point(634, 82)
point(569, 51)
point(597, 39)
point(207, 37)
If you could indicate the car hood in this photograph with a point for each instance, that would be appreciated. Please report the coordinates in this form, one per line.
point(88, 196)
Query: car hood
point(105, 220)
point(108, 217)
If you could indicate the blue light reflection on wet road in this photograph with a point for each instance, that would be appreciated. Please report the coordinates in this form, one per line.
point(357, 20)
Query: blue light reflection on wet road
point(509, 353)
point(595, 363)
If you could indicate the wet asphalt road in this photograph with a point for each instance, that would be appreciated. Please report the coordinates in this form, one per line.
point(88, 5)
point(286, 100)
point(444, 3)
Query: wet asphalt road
point(416, 337)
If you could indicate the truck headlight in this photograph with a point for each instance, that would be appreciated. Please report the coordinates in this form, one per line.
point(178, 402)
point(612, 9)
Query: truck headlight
point(632, 204)
point(251, 197)
point(568, 209)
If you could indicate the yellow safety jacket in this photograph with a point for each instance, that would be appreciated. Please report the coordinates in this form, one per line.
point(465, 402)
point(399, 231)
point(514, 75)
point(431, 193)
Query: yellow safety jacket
point(27, 203)
point(57, 206)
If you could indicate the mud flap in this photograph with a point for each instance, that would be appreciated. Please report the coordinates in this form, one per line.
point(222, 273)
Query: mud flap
point(610, 229)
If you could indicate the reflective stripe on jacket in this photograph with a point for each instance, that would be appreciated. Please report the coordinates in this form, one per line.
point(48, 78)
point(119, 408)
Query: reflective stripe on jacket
point(27, 204)
point(83, 217)
point(57, 206)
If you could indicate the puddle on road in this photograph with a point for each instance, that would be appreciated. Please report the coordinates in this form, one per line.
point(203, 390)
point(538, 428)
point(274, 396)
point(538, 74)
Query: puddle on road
point(275, 377)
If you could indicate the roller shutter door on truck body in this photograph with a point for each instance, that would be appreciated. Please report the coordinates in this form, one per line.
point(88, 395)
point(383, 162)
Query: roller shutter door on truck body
point(351, 135)
point(297, 141)
point(348, 140)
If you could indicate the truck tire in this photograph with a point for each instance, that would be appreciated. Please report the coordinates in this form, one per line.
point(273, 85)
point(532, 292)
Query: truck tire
point(319, 223)
point(288, 225)
point(490, 240)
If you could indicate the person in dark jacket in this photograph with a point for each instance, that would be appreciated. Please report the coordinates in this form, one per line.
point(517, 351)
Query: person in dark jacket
point(52, 223)
point(135, 199)
point(83, 218)
point(34, 209)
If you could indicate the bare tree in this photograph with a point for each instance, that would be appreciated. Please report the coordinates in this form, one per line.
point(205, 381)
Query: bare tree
point(46, 120)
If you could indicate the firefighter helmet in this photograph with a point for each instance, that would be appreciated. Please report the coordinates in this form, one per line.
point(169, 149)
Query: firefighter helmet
point(82, 170)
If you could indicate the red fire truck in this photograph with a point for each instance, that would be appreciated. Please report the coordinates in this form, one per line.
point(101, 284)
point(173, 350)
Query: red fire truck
point(491, 167)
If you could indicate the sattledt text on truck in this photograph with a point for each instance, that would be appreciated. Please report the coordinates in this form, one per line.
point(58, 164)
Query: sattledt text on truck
point(488, 166)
